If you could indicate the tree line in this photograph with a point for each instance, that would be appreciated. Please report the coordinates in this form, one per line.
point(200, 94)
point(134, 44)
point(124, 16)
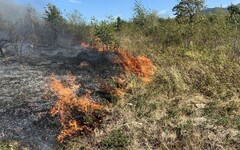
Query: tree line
point(190, 28)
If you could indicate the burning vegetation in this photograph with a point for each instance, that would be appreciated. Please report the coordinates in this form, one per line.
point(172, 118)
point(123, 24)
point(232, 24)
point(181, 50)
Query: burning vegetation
point(76, 113)
point(97, 44)
point(141, 66)
point(79, 114)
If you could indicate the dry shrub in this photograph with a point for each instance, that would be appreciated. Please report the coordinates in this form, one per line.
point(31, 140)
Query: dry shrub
point(74, 110)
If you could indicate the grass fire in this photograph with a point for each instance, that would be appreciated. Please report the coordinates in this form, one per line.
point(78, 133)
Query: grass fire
point(164, 75)
point(74, 111)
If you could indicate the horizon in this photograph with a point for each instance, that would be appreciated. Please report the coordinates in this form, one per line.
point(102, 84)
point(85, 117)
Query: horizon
point(100, 11)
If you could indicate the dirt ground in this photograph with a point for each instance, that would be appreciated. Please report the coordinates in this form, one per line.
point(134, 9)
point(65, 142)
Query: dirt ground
point(24, 106)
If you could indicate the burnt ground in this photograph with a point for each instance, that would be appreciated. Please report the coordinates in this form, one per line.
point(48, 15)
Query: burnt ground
point(24, 104)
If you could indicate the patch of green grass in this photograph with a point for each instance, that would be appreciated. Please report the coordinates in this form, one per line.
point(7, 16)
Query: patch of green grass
point(118, 139)
point(221, 114)
point(210, 109)
point(237, 121)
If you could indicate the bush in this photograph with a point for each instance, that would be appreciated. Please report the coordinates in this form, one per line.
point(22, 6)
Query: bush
point(103, 33)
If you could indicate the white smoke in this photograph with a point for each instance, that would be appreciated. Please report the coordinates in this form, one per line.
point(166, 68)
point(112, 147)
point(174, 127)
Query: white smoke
point(11, 11)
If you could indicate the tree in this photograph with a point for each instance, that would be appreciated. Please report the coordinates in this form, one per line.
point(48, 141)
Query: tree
point(31, 22)
point(75, 18)
point(234, 12)
point(103, 32)
point(53, 18)
point(145, 20)
point(119, 23)
point(77, 25)
point(234, 19)
point(140, 14)
point(53, 14)
point(186, 10)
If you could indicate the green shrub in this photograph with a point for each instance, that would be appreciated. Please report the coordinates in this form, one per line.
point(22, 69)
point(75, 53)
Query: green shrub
point(103, 32)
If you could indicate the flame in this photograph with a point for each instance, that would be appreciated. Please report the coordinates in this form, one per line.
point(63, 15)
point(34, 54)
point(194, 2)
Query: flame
point(98, 46)
point(119, 92)
point(84, 44)
point(113, 91)
point(69, 106)
point(141, 66)
point(67, 103)
point(121, 83)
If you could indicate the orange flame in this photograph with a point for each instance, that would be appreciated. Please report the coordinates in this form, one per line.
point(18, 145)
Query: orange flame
point(98, 46)
point(68, 103)
point(121, 83)
point(113, 91)
point(84, 44)
point(141, 66)
point(96, 43)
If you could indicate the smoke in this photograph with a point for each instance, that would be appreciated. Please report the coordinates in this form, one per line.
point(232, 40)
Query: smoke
point(10, 10)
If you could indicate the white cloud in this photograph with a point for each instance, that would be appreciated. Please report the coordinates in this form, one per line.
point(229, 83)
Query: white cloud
point(163, 12)
point(75, 1)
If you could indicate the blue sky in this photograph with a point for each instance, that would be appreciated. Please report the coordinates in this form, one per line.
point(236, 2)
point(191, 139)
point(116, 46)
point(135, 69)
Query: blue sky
point(123, 8)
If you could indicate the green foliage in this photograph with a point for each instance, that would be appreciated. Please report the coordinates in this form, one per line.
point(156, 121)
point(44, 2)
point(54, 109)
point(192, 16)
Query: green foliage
point(53, 14)
point(145, 21)
point(119, 24)
point(234, 12)
point(104, 31)
point(140, 14)
point(187, 10)
point(118, 139)
point(221, 115)
point(54, 19)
